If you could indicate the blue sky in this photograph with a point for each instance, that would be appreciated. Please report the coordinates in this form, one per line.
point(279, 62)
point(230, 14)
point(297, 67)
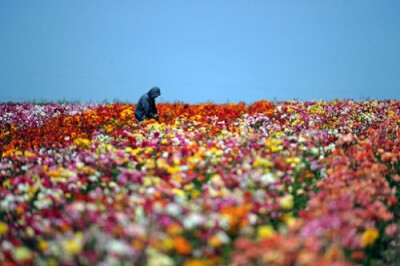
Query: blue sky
point(197, 51)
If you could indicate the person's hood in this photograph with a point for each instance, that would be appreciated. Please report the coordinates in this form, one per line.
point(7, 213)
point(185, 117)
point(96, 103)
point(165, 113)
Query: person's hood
point(154, 92)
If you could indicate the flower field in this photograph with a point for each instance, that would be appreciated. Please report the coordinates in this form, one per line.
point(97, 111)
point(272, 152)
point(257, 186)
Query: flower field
point(287, 183)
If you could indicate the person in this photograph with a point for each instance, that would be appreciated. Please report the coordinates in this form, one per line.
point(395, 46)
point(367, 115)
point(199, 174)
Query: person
point(146, 107)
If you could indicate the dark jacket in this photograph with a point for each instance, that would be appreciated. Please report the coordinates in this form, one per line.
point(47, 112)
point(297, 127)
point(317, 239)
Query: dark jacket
point(146, 107)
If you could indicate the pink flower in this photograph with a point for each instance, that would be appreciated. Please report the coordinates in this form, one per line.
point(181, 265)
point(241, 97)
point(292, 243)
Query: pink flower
point(391, 230)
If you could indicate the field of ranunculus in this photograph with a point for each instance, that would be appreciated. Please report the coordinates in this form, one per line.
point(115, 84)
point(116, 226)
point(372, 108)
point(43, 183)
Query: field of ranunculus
point(287, 183)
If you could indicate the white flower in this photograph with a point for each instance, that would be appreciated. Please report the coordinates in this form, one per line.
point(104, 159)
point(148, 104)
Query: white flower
point(156, 258)
point(7, 245)
point(93, 178)
point(192, 221)
point(223, 222)
point(173, 209)
point(314, 151)
point(223, 237)
point(119, 247)
point(150, 191)
point(267, 178)
point(252, 218)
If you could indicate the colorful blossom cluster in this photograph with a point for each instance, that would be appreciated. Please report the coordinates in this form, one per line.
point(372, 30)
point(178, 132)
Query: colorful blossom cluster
point(291, 183)
point(33, 115)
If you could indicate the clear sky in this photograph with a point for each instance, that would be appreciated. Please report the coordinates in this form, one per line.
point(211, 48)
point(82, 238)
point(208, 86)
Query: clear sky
point(197, 51)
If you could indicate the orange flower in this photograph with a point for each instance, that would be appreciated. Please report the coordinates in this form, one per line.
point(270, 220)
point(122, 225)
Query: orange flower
point(174, 229)
point(215, 242)
point(201, 262)
point(182, 246)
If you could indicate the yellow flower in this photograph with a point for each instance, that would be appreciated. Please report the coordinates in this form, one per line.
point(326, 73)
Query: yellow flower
point(150, 164)
point(173, 170)
point(369, 236)
point(32, 190)
point(52, 262)
point(3, 228)
point(43, 245)
point(82, 142)
point(286, 202)
point(216, 151)
point(136, 151)
point(6, 183)
point(29, 154)
point(148, 150)
point(262, 162)
point(176, 161)
point(110, 147)
point(289, 219)
point(274, 145)
point(147, 182)
point(295, 122)
point(195, 193)
point(73, 245)
point(265, 231)
point(126, 113)
point(22, 253)
point(294, 160)
point(168, 244)
point(179, 192)
point(188, 186)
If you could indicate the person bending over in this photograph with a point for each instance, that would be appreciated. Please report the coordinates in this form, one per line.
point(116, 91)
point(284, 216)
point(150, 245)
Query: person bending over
point(146, 107)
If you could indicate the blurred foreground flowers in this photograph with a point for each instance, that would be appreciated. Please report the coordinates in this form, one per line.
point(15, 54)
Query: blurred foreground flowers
point(291, 183)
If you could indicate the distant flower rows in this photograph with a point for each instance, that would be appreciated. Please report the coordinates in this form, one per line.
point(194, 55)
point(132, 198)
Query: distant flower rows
point(311, 183)
point(31, 115)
